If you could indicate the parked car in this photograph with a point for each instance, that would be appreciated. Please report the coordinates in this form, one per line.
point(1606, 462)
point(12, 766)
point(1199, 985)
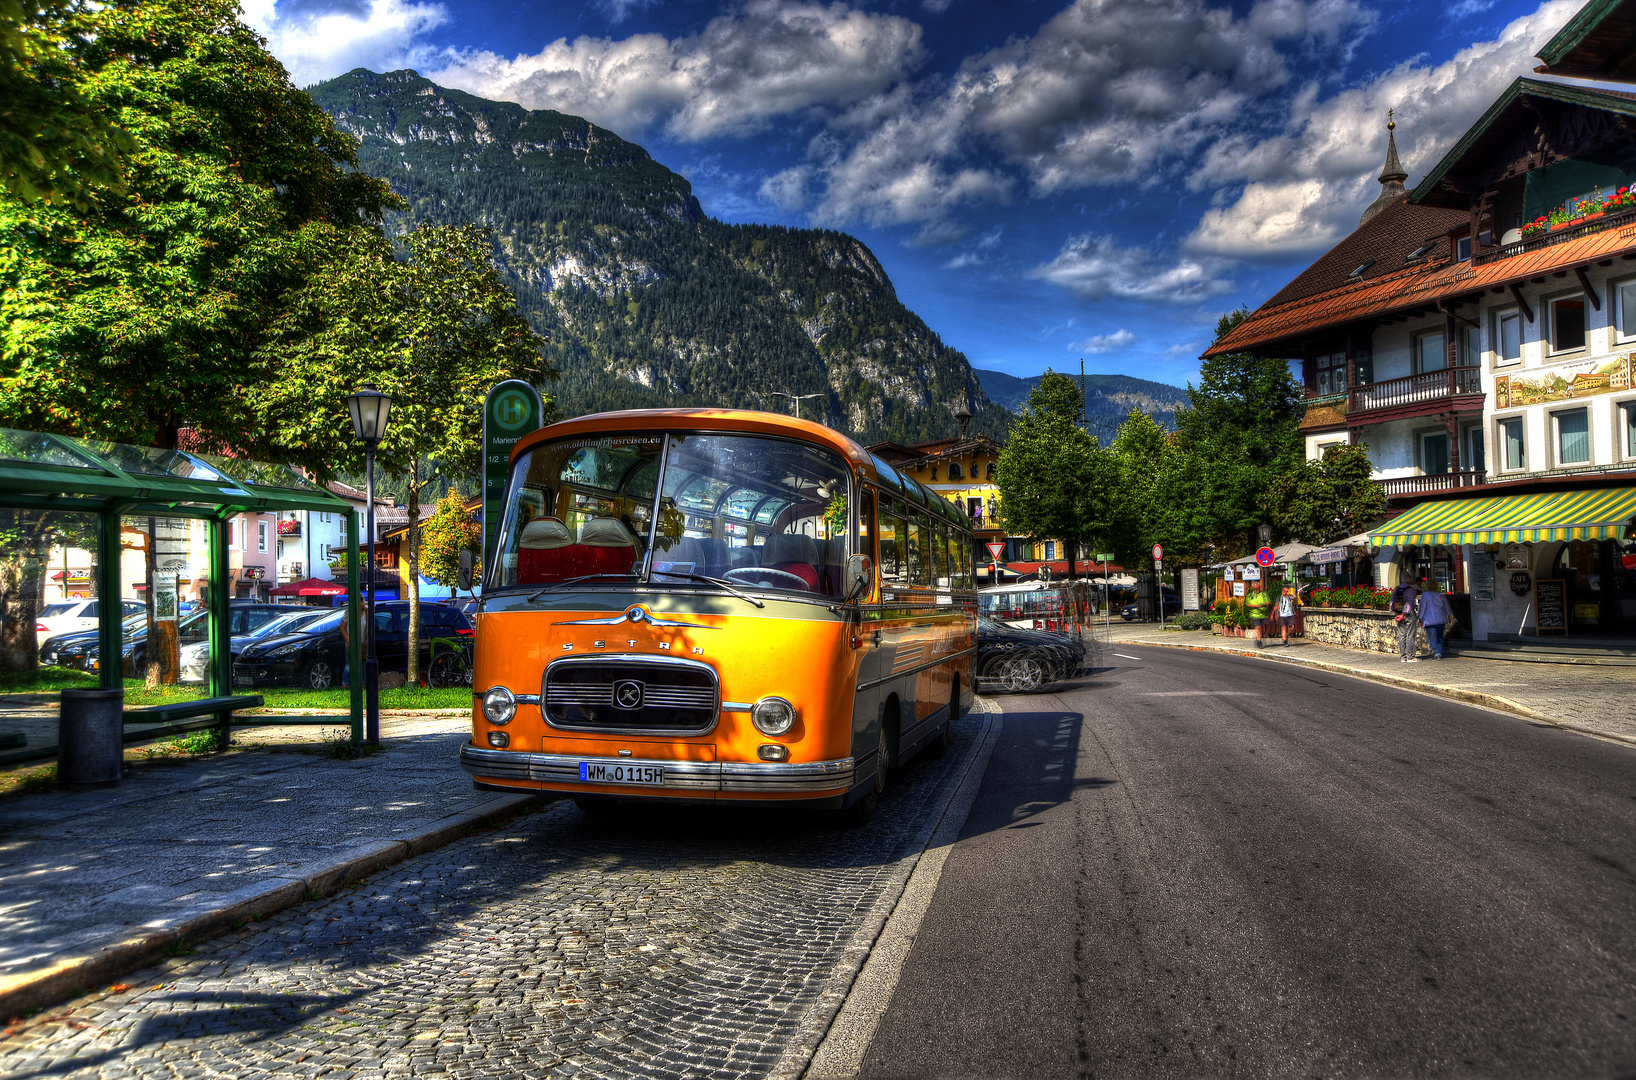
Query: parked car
point(73, 616)
point(243, 616)
point(1173, 607)
point(313, 655)
point(68, 650)
point(195, 661)
point(1015, 659)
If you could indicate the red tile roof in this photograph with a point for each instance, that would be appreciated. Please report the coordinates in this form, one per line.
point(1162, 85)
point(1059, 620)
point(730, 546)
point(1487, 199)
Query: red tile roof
point(1293, 313)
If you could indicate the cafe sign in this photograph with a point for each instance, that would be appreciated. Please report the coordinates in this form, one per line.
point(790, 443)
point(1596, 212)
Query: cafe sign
point(1329, 555)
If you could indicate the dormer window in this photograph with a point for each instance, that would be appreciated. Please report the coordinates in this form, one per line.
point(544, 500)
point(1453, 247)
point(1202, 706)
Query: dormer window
point(1359, 272)
point(1462, 249)
point(1422, 251)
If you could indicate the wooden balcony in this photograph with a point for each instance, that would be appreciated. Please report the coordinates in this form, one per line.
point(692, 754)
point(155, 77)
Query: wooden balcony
point(1456, 388)
point(1419, 485)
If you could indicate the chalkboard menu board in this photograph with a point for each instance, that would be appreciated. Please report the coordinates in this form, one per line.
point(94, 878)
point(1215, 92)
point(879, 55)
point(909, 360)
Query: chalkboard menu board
point(1551, 605)
point(1482, 576)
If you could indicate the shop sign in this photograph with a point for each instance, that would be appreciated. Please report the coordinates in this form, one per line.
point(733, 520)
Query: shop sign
point(1521, 583)
point(1190, 590)
point(164, 596)
point(1329, 555)
point(1516, 557)
point(1251, 573)
point(253, 573)
point(1238, 588)
point(1227, 574)
point(1482, 576)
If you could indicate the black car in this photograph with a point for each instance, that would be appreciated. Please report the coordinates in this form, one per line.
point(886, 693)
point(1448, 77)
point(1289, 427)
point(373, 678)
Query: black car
point(314, 655)
point(1173, 607)
point(242, 617)
point(1025, 659)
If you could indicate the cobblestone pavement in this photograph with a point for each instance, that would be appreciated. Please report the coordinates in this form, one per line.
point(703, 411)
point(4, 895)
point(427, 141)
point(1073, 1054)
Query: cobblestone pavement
point(1591, 699)
point(662, 942)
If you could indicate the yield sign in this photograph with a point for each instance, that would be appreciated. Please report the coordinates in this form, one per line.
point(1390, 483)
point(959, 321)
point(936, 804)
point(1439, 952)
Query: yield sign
point(994, 549)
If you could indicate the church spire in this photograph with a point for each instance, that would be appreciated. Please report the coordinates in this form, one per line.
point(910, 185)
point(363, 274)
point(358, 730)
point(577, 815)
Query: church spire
point(1392, 176)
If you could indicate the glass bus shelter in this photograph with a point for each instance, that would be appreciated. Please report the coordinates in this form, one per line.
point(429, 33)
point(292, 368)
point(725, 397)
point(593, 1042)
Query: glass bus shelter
point(105, 547)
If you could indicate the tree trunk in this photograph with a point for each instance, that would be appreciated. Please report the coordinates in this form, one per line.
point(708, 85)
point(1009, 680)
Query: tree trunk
point(150, 562)
point(22, 589)
point(411, 538)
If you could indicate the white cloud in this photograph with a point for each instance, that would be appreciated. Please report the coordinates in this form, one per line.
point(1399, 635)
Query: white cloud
point(618, 11)
point(1186, 348)
point(1305, 187)
point(1096, 268)
point(320, 39)
point(787, 190)
point(1102, 343)
point(768, 58)
point(1107, 91)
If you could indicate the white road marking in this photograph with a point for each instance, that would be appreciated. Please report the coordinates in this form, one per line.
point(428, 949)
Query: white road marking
point(1122, 656)
point(1202, 693)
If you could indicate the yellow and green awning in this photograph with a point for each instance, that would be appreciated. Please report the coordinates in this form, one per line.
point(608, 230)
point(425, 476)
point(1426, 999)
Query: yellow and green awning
point(1597, 514)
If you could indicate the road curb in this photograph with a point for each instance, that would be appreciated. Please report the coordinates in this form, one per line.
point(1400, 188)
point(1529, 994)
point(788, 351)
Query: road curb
point(1455, 693)
point(797, 1057)
point(77, 972)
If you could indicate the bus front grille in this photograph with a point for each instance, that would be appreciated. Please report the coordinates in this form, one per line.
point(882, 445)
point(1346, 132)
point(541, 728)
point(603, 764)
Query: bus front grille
point(630, 694)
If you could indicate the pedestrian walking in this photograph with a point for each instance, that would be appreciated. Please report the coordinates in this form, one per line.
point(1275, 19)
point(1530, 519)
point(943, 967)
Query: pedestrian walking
point(1256, 605)
point(1435, 614)
point(1288, 604)
point(1405, 599)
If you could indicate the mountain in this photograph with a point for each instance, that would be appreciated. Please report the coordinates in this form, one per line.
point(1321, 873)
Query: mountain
point(645, 300)
point(1108, 398)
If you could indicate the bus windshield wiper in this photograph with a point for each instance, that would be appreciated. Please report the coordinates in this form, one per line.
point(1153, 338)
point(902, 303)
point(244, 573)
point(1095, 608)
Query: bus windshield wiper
point(582, 577)
point(728, 585)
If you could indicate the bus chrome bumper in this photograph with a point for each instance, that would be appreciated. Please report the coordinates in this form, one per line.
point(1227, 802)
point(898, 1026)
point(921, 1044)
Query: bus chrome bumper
point(769, 777)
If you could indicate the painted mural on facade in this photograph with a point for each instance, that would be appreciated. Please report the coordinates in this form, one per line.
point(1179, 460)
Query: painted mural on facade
point(1565, 383)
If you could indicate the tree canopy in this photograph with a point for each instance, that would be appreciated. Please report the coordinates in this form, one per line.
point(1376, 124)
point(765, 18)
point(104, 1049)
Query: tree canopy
point(1054, 480)
point(135, 315)
point(1320, 501)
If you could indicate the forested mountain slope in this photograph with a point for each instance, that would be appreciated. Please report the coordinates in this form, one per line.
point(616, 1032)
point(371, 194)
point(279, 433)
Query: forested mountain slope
point(1108, 398)
point(645, 300)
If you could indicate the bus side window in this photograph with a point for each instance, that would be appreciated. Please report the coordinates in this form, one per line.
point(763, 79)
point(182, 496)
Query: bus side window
point(893, 537)
point(866, 523)
point(940, 554)
point(957, 561)
point(920, 563)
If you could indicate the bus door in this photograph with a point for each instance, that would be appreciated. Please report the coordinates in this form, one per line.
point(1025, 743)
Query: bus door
point(869, 628)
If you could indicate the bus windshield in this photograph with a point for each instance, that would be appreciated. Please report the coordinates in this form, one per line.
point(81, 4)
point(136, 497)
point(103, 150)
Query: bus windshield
point(669, 508)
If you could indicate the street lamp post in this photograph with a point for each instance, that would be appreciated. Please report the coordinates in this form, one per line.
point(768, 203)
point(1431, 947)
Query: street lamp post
point(370, 410)
point(795, 400)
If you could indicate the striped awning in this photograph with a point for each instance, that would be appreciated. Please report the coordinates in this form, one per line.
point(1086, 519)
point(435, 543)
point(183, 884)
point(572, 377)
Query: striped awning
point(1598, 514)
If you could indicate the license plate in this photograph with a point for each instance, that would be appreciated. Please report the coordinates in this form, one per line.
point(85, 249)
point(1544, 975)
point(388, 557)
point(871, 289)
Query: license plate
point(243, 680)
point(605, 772)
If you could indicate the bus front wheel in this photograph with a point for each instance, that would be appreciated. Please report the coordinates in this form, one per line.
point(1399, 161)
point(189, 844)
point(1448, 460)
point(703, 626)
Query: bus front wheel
point(861, 811)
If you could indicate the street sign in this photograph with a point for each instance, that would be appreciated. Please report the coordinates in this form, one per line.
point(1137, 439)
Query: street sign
point(994, 549)
point(1158, 552)
point(1265, 557)
point(1106, 556)
point(512, 409)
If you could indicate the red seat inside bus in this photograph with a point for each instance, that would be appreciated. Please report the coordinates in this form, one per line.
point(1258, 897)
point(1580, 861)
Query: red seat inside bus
point(794, 554)
point(547, 551)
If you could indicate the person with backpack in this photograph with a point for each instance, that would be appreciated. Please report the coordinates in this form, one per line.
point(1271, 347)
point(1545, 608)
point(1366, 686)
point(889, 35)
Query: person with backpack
point(1405, 599)
point(1435, 613)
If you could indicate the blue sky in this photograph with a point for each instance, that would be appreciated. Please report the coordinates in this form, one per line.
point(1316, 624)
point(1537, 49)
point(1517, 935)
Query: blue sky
point(1044, 181)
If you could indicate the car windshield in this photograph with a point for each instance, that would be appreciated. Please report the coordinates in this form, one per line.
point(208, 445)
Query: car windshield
point(51, 611)
point(754, 511)
point(330, 622)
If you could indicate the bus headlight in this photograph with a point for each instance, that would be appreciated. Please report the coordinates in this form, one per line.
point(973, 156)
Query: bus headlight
point(773, 716)
point(499, 705)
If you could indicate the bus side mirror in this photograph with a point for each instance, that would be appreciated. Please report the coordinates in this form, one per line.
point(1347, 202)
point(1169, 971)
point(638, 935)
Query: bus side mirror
point(860, 574)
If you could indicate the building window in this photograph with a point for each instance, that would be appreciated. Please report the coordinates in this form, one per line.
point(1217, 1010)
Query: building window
point(1511, 441)
point(1050, 550)
point(1627, 430)
point(1473, 457)
point(1462, 248)
point(1507, 336)
point(988, 471)
point(1430, 352)
point(1568, 324)
point(955, 472)
point(1434, 452)
point(261, 537)
point(1624, 295)
point(1573, 437)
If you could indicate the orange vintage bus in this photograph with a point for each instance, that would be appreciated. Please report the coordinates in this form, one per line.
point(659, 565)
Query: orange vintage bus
point(701, 604)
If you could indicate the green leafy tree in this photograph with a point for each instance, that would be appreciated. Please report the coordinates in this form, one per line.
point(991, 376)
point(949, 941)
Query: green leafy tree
point(56, 145)
point(448, 532)
point(1054, 480)
point(1319, 501)
point(1154, 491)
point(1242, 423)
point(138, 314)
point(428, 321)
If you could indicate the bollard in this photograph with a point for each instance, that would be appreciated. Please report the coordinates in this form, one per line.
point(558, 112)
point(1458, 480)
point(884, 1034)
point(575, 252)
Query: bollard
point(90, 737)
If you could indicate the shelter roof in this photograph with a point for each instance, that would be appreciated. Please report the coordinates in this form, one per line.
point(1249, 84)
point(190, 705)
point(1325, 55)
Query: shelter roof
point(1599, 42)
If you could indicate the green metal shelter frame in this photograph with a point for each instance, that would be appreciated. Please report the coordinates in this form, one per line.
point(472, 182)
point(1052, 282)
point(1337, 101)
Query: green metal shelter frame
point(113, 480)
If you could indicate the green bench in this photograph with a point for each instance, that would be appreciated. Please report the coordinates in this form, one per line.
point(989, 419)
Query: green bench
point(182, 710)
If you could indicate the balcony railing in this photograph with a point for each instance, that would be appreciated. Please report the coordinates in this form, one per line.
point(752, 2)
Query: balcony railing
point(1624, 216)
point(1430, 386)
point(1415, 485)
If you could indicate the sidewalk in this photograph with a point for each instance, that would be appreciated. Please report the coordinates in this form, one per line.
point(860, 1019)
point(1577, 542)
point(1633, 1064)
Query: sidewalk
point(1590, 700)
point(97, 882)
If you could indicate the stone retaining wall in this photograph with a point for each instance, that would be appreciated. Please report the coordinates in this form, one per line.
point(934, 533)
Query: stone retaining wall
point(1354, 628)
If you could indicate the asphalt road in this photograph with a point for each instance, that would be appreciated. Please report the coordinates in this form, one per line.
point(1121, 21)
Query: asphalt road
point(1193, 865)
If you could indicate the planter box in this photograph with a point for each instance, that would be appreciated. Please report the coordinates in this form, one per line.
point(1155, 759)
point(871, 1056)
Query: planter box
point(1370, 629)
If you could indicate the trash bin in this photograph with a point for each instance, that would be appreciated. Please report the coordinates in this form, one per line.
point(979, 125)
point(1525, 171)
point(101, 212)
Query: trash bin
point(90, 743)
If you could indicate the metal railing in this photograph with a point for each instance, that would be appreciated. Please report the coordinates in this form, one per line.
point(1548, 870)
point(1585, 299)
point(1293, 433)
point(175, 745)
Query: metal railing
point(1625, 216)
point(1429, 386)
point(1415, 485)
